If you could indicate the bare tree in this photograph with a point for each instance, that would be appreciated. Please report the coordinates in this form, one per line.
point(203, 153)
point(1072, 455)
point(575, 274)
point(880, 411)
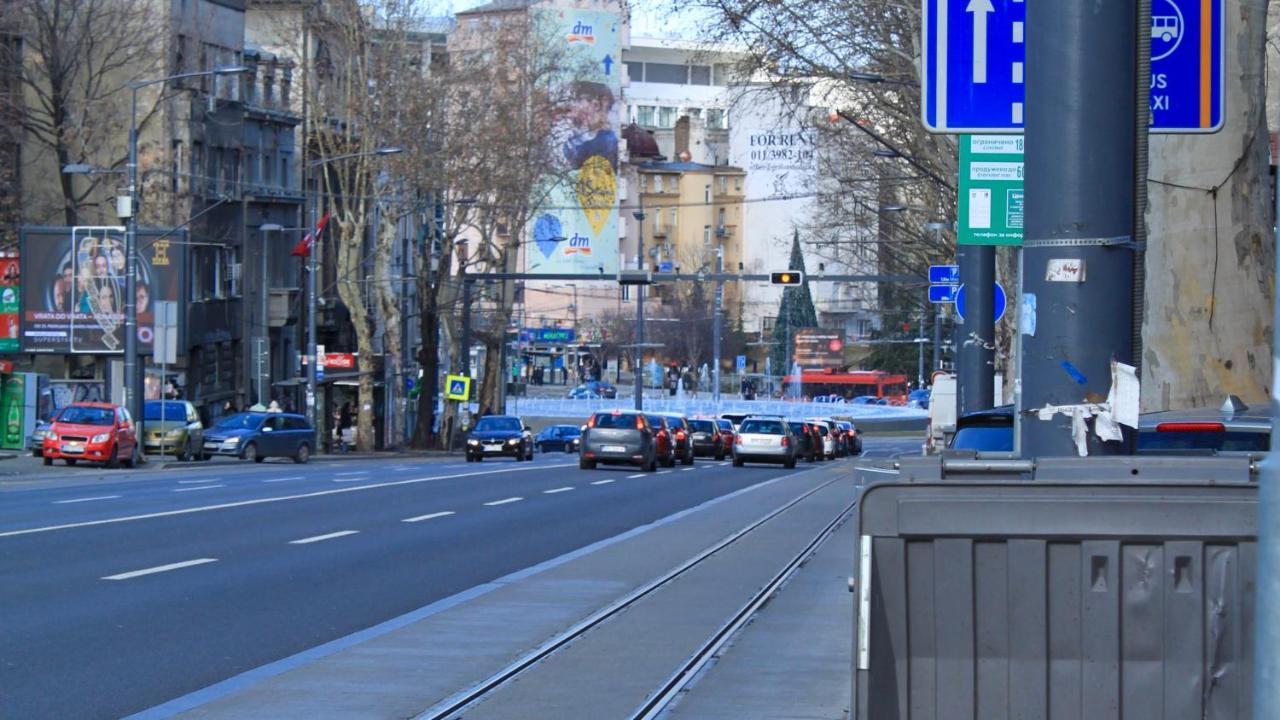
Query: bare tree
point(76, 58)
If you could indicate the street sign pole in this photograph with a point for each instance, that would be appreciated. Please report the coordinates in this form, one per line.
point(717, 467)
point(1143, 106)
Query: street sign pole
point(975, 331)
point(1079, 219)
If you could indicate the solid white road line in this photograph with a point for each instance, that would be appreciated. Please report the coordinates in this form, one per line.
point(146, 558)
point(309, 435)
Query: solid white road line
point(260, 501)
point(85, 499)
point(606, 482)
point(160, 569)
point(637, 475)
point(430, 516)
point(284, 479)
point(197, 482)
point(350, 479)
point(318, 538)
point(556, 490)
point(197, 487)
point(503, 501)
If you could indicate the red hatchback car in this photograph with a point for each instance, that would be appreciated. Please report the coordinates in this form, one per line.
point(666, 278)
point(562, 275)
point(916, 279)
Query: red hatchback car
point(94, 432)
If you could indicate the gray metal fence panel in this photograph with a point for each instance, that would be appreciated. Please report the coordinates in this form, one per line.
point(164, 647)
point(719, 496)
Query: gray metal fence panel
point(990, 599)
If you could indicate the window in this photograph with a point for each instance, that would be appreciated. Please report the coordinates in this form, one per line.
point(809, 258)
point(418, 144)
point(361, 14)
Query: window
point(284, 170)
point(737, 183)
point(673, 220)
point(197, 165)
point(706, 194)
point(700, 75)
point(657, 220)
point(251, 171)
point(175, 182)
point(720, 218)
point(722, 74)
point(706, 234)
point(635, 71)
point(666, 73)
point(666, 117)
point(716, 119)
point(724, 184)
point(693, 112)
point(657, 183)
point(644, 115)
point(228, 267)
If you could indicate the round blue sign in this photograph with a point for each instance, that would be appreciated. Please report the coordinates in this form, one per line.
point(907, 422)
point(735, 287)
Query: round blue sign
point(1001, 300)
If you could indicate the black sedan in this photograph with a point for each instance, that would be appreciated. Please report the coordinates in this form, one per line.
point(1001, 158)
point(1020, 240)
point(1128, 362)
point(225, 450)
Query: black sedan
point(558, 438)
point(499, 436)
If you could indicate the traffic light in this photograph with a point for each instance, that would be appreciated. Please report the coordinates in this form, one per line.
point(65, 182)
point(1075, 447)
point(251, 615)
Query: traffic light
point(786, 277)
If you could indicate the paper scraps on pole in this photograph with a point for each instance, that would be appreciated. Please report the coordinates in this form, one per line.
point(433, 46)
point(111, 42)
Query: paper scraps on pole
point(1121, 408)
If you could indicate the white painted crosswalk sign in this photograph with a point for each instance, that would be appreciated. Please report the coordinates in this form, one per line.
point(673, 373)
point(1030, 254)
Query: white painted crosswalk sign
point(457, 387)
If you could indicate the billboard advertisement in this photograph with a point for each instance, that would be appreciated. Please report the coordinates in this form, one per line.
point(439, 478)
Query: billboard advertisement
point(73, 297)
point(818, 349)
point(576, 231)
point(10, 307)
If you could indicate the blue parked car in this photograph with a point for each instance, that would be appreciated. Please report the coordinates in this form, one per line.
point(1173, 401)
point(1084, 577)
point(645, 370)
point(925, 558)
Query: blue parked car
point(257, 436)
point(562, 438)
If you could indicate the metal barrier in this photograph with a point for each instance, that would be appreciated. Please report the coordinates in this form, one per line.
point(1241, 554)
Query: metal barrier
point(1083, 588)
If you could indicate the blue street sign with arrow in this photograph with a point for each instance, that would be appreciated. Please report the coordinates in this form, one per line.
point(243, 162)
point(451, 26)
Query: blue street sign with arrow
point(975, 61)
point(1000, 300)
point(608, 64)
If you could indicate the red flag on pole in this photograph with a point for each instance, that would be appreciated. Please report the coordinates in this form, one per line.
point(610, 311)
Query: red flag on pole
point(303, 248)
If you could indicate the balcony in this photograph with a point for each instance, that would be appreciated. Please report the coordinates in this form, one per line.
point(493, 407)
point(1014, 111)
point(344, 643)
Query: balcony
point(726, 231)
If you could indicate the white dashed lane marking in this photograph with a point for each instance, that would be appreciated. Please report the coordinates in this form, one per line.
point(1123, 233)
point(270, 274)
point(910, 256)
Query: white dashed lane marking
point(604, 482)
point(159, 569)
point(197, 487)
point(85, 499)
point(556, 490)
point(320, 538)
point(504, 501)
point(637, 475)
point(429, 516)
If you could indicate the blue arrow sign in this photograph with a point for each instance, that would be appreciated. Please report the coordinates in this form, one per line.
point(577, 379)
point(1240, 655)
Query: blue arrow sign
point(944, 274)
point(975, 60)
point(1001, 301)
point(943, 293)
point(608, 64)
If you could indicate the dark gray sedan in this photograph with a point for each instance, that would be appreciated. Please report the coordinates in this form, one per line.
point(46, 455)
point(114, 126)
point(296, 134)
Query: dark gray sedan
point(618, 437)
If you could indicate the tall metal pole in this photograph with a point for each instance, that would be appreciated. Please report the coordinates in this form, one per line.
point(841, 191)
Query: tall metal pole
point(975, 332)
point(1079, 186)
point(1266, 677)
point(466, 327)
point(132, 378)
point(920, 350)
point(937, 338)
point(265, 343)
point(639, 354)
point(715, 328)
point(313, 341)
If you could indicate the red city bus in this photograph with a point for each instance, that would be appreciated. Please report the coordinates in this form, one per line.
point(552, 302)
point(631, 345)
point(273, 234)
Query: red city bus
point(854, 383)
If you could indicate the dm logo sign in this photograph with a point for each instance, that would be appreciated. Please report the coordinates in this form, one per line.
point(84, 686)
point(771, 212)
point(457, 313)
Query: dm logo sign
point(582, 32)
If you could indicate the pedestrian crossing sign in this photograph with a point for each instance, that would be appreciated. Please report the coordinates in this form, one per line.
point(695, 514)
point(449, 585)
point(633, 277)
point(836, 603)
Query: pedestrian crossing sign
point(457, 387)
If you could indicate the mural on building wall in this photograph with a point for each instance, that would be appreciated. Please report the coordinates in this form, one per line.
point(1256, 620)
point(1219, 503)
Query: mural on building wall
point(577, 229)
point(73, 300)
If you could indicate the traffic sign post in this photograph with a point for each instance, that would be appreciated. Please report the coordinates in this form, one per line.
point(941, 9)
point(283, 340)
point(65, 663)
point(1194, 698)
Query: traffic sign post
point(1000, 304)
point(944, 274)
point(943, 293)
point(457, 387)
point(974, 65)
point(991, 194)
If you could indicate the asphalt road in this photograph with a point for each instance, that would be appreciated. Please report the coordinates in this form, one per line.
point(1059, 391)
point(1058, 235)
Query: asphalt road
point(132, 590)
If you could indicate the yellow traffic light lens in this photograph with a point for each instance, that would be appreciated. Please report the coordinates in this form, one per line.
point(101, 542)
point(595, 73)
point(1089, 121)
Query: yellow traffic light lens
point(785, 278)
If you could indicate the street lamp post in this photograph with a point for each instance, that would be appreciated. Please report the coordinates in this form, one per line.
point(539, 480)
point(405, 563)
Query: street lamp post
point(264, 329)
point(129, 210)
point(312, 338)
point(639, 355)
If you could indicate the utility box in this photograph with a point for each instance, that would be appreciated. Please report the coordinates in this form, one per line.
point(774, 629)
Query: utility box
point(1066, 588)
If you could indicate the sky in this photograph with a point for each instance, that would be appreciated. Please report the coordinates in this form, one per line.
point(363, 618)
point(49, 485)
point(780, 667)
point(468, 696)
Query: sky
point(650, 18)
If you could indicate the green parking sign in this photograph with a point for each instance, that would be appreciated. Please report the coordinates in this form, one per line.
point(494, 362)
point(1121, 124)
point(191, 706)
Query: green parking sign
point(991, 194)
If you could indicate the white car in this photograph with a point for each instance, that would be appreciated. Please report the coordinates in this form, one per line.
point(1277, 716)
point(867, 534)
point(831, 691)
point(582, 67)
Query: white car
point(764, 440)
point(827, 427)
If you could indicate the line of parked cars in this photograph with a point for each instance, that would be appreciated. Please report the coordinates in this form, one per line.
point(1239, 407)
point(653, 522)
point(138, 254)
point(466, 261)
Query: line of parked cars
point(651, 439)
point(107, 434)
